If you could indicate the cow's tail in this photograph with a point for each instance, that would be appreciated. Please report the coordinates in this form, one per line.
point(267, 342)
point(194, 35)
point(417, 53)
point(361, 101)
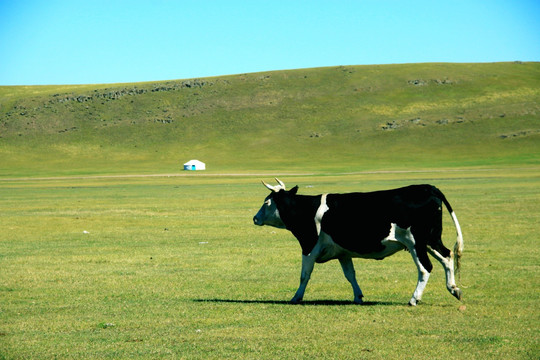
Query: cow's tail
point(458, 247)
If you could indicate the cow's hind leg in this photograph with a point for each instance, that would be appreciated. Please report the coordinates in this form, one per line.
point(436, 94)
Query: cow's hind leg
point(437, 249)
point(348, 270)
point(417, 247)
point(444, 256)
point(424, 267)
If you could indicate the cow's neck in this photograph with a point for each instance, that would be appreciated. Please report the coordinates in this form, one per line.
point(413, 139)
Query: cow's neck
point(298, 215)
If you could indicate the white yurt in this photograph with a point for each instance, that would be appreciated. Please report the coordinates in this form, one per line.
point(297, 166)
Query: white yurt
point(194, 165)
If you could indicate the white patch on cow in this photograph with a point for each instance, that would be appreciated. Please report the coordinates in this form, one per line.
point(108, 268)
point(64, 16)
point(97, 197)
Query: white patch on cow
point(404, 236)
point(397, 239)
point(320, 212)
point(392, 234)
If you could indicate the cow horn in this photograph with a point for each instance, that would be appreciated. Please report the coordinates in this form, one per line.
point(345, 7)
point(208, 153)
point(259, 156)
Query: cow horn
point(270, 187)
point(275, 188)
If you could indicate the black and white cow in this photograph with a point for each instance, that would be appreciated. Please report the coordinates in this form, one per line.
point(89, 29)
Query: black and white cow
point(371, 225)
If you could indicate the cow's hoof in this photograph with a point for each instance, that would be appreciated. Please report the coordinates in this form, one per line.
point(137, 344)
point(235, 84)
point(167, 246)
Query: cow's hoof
point(457, 293)
point(295, 301)
point(358, 301)
point(413, 302)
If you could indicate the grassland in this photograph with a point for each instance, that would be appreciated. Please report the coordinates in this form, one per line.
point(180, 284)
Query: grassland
point(340, 119)
point(97, 261)
point(172, 267)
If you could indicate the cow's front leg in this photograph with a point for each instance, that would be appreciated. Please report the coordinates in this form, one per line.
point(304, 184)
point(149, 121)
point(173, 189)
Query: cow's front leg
point(348, 270)
point(308, 261)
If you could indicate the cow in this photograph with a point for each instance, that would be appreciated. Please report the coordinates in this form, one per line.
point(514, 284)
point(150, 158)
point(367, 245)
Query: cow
point(369, 225)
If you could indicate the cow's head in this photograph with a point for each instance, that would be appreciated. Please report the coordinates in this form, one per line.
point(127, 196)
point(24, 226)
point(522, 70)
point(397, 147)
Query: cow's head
point(269, 213)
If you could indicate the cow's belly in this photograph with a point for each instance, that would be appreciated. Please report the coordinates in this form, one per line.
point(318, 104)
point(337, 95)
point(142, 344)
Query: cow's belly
point(326, 249)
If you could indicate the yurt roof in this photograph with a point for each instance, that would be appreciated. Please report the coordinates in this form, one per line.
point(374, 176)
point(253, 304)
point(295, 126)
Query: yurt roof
point(194, 162)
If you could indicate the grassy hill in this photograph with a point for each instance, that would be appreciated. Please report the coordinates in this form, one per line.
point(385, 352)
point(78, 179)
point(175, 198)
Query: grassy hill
point(346, 118)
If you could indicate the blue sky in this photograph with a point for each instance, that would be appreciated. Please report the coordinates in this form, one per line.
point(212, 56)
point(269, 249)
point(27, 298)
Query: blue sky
point(88, 42)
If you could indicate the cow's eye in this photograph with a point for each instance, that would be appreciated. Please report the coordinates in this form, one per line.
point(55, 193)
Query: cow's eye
point(268, 202)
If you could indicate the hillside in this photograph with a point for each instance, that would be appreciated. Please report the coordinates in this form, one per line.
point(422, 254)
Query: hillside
point(346, 118)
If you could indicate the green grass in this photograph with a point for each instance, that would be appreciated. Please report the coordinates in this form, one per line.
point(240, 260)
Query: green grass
point(325, 119)
point(172, 267)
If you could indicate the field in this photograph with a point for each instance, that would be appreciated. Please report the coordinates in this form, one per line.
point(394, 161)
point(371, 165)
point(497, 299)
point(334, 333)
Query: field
point(172, 267)
point(108, 251)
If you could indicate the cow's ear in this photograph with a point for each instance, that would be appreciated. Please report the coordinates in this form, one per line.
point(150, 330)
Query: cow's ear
point(294, 190)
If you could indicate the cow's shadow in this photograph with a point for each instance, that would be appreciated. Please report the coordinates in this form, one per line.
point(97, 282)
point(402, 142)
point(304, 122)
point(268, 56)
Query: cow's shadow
point(303, 303)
